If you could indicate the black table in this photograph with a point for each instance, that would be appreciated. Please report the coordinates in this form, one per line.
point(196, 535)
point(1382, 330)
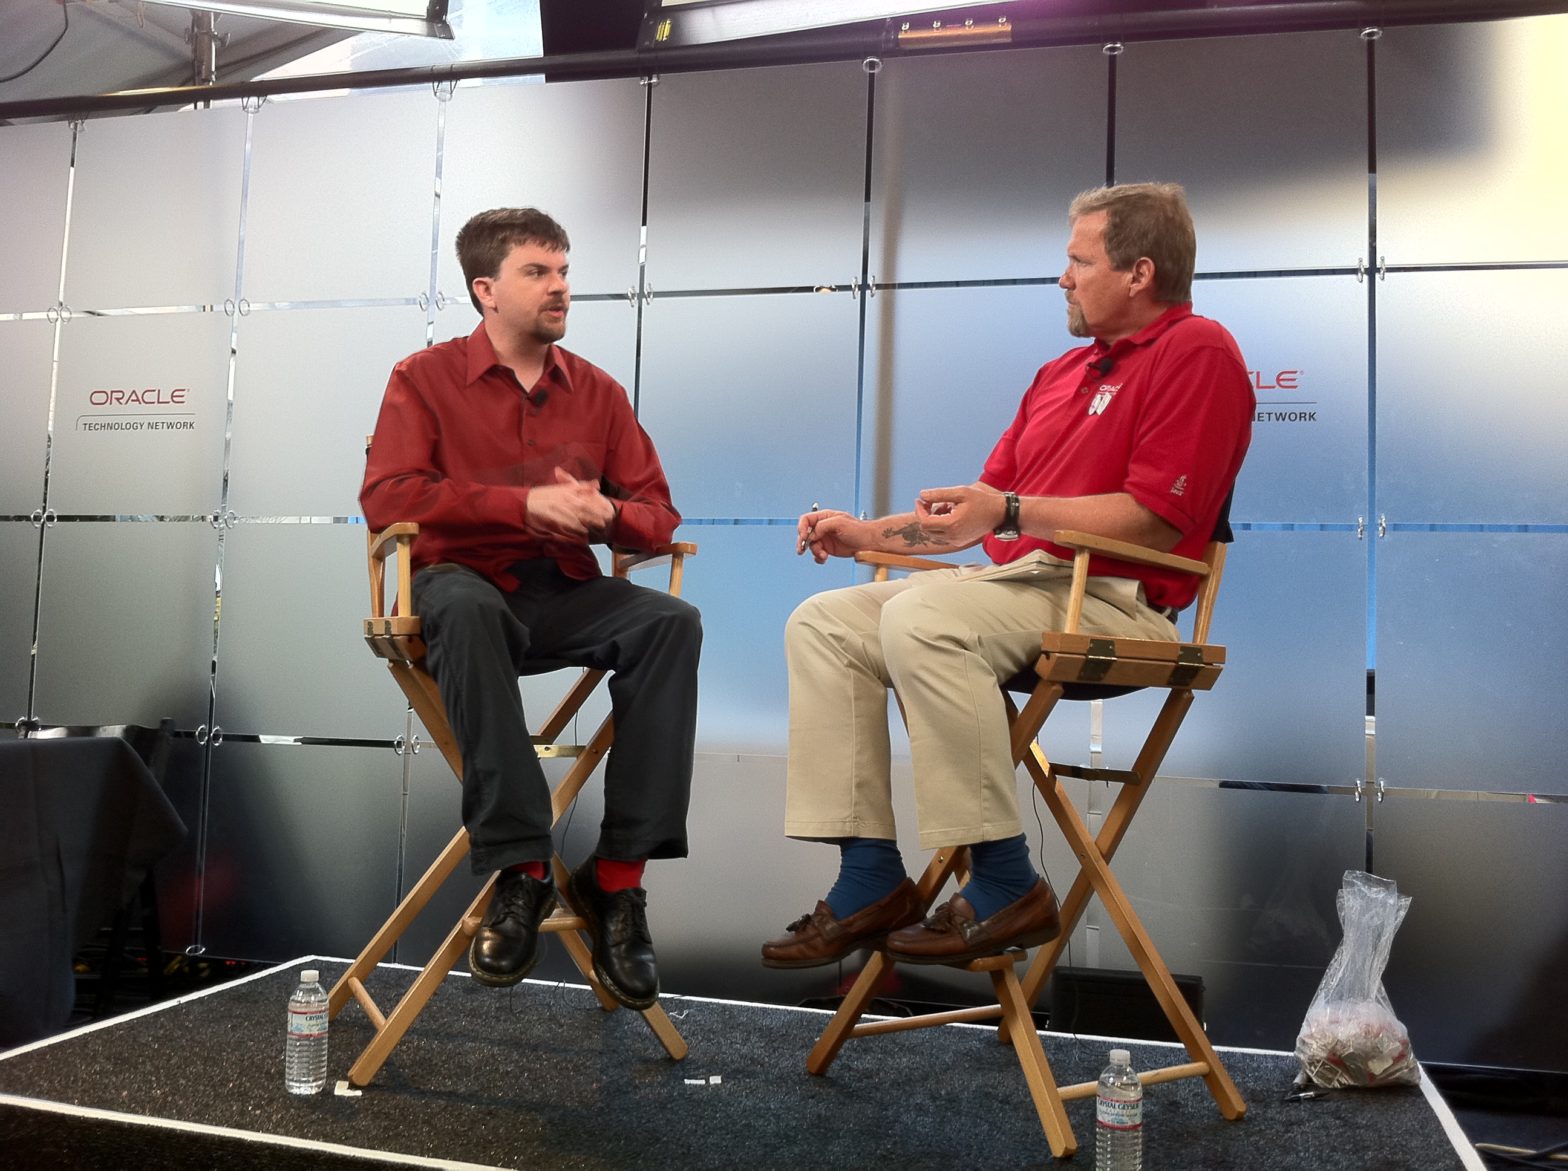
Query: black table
point(81, 823)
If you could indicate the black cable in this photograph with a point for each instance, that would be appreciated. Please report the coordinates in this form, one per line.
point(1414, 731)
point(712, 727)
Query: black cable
point(65, 11)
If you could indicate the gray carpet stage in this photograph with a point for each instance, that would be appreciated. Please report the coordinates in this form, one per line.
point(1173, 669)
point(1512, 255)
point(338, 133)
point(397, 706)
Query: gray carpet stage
point(540, 1077)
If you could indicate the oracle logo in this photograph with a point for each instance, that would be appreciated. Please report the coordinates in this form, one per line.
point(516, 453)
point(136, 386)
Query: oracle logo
point(1279, 380)
point(152, 396)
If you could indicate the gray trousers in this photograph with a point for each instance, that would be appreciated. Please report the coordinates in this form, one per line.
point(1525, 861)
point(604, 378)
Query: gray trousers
point(942, 639)
point(481, 639)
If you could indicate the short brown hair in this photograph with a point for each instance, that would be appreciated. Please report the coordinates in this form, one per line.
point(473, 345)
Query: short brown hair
point(1146, 220)
point(489, 237)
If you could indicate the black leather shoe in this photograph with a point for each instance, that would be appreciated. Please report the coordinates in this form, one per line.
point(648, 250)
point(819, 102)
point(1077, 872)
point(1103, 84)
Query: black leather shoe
point(622, 948)
point(506, 946)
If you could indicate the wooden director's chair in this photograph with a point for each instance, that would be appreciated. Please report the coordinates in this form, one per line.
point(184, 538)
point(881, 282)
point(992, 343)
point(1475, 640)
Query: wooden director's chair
point(395, 637)
point(1074, 666)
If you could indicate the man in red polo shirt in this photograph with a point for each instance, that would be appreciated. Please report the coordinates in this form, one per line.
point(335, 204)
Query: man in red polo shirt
point(515, 456)
point(1137, 436)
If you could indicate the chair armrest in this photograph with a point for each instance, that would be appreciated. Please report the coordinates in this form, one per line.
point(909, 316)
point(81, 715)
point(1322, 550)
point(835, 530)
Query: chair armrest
point(883, 562)
point(399, 539)
point(676, 552)
point(1125, 551)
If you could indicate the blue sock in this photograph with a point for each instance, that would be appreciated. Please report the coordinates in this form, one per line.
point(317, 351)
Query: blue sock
point(868, 869)
point(999, 873)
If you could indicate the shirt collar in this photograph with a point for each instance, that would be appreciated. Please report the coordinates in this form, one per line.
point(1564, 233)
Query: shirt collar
point(1177, 313)
point(482, 359)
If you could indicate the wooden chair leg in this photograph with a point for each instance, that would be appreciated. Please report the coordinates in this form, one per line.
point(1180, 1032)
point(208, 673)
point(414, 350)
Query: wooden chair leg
point(1031, 1054)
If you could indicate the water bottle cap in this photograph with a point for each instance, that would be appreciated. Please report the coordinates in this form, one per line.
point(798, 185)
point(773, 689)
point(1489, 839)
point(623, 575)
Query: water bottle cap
point(1120, 1057)
point(309, 976)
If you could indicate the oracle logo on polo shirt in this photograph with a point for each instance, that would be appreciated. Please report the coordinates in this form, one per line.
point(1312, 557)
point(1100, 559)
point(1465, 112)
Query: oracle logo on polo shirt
point(1102, 398)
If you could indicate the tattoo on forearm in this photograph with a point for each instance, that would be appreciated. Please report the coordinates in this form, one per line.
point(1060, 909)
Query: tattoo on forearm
point(911, 534)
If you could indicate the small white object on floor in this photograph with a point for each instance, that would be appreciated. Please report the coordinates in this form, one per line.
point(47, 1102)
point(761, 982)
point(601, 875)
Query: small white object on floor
point(344, 1090)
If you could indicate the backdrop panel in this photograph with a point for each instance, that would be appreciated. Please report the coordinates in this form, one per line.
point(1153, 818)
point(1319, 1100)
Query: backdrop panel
point(1238, 888)
point(291, 655)
point(18, 589)
point(302, 849)
point(307, 389)
point(125, 623)
point(1471, 419)
point(1290, 706)
point(26, 364)
point(595, 193)
point(935, 408)
point(975, 159)
point(756, 178)
point(139, 415)
point(369, 151)
point(1472, 142)
point(1491, 875)
point(751, 401)
point(1451, 720)
point(1276, 170)
point(36, 162)
point(156, 210)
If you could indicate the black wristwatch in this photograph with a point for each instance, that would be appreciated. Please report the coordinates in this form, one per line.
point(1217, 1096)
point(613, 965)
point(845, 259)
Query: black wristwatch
point(1008, 529)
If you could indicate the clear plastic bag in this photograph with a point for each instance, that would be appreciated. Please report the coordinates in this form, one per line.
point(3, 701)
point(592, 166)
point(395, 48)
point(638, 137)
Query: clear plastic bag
point(1351, 1037)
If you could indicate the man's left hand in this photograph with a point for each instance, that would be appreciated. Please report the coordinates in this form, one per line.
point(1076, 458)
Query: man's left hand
point(960, 516)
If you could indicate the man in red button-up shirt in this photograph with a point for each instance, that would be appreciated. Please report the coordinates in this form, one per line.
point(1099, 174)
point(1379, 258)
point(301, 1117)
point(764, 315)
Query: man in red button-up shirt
point(514, 456)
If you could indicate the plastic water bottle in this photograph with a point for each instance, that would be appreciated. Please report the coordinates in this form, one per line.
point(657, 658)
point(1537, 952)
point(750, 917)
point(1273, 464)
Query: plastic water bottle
point(305, 1051)
point(1118, 1117)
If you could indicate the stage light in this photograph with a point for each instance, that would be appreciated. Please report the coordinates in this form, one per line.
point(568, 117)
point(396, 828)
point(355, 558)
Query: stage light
point(424, 18)
point(672, 23)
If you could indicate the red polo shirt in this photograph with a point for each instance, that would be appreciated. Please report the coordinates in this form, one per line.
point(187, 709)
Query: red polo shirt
point(1168, 422)
point(458, 444)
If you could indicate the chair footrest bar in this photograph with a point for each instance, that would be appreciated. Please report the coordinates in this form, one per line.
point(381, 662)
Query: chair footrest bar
point(561, 921)
point(1083, 772)
point(928, 1020)
point(1152, 1077)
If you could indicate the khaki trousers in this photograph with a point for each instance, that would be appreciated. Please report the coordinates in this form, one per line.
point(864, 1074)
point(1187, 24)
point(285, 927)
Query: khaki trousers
point(942, 639)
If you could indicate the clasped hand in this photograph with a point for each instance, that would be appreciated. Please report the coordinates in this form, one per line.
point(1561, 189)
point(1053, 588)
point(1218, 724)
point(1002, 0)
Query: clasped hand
point(569, 507)
point(959, 516)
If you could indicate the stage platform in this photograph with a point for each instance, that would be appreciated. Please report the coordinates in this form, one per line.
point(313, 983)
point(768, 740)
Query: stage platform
point(540, 1077)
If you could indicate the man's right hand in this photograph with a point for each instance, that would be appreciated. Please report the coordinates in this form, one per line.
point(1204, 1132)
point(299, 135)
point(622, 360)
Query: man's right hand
point(569, 507)
point(828, 532)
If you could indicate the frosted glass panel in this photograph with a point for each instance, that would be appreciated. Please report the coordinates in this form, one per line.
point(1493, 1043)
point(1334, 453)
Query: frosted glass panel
point(307, 388)
point(572, 149)
point(292, 658)
point(1472, 141)
point(155, 212)
point(962, 191)
point(139, 415)
point(1267, 134)
point(341, 197)
point(756, 178)
point(1442, 722)
point(1490, 875)
point(751, 401)
point(1472, 422)
point(19, 547)
point(604, 332)
point(302, 849)
point(1305, 341)
point(746, 580)
point(26, 356)
point(935, 409)
point(125, 625)
point(1238, 887)
point(1291, 704)
point(36, 162)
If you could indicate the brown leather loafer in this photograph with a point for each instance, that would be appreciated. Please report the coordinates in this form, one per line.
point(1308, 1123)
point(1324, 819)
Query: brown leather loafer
point(952, 935)
point(819, 938)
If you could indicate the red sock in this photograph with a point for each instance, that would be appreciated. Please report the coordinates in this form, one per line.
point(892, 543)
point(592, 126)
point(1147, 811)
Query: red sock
point(534, 870)
point(613, 875)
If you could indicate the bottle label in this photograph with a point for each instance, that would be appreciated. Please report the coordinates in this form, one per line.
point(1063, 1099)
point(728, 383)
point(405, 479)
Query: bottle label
point(308, 1023)
point(1118, 1114)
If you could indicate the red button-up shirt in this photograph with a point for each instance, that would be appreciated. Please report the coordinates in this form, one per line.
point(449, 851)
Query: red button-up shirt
point(459, 443)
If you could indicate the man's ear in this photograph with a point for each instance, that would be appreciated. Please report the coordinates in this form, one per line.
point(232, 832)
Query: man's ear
point(1140, 276)
point(481, 286)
